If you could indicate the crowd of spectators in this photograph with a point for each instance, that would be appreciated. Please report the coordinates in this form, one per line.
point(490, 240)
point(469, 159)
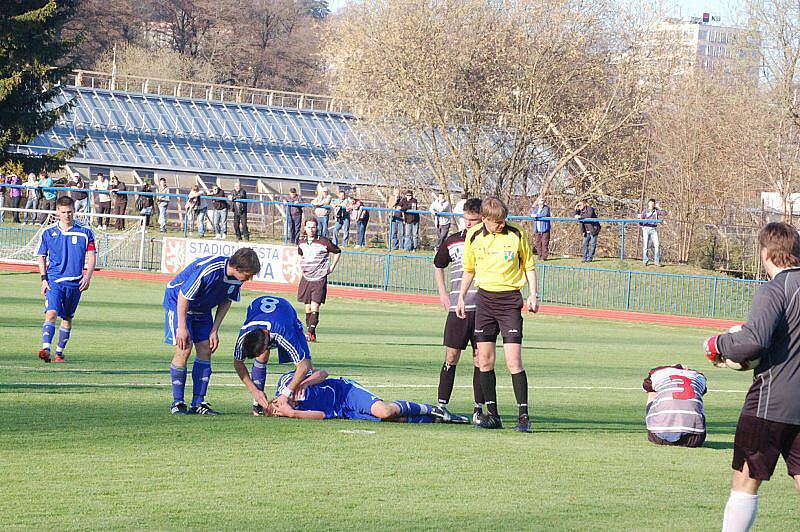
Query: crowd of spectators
point(336, 214)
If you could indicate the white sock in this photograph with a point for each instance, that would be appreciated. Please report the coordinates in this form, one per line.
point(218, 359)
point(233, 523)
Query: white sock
point(740, 512)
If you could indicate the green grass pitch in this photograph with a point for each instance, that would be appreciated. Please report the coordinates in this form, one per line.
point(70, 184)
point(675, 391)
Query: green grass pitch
point(91, 445)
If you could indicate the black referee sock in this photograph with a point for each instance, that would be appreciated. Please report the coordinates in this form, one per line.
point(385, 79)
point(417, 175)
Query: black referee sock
point(447, 378)
point(489, 387)
point(313, 320)
point(520, 382)
point(477, 391)
point(308, 319)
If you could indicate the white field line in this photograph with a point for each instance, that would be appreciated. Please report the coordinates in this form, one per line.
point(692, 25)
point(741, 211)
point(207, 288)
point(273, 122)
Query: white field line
point(374, 385)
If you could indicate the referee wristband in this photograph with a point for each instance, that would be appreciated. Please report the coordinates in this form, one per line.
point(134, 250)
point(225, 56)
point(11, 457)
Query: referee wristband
point(287, 392)
point(44, 277)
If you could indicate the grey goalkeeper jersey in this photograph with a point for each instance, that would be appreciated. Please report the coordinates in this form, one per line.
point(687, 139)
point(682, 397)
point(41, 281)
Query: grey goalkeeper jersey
point(772, 332)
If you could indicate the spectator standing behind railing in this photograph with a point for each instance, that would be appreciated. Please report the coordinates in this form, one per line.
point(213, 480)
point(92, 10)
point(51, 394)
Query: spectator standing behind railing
point(590, 230)
point(240, 212)
point(196, 210)
point(410, 221)
point(294, 214)
point(341, 211)
point(14, 194)
point(163, 205)
point(361, 216)
point(459, 209)
point(541, 229)
point(440, 204)
point(2, 197)
point(320, 201)
point(81, 199)
point(650, 231)
point(396, 222)
point(120, 201)
point(102, 199)
point(144, 204)
point(48, 200)
point(220, 207)
point(32, 193)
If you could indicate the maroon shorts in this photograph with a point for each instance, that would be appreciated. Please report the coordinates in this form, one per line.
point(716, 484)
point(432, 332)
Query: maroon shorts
point(498, 313)
point(312, 291)
point(459, 333)
point(760, 442)
point(687, 440)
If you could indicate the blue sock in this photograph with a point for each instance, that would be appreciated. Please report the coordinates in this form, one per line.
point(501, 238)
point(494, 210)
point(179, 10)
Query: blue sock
point(259, 374)
point(63, 338)
point(48, 331)
point(409, 409)
point(422, 419)
point(178, 378)
point(201, 374)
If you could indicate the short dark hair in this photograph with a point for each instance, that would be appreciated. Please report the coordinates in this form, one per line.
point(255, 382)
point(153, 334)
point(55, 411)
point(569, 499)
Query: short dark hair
point(293, 190)
point(65, 201)
point(651, 199)
point(473, 205)
point(255, 343)
point(782, 244)
point(409, 192)
point(246, 260)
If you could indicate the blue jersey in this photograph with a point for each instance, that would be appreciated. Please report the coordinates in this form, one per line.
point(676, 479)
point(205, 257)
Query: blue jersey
point(337, 397)
point(65, 252)
point(279, 317)
point(205, 284)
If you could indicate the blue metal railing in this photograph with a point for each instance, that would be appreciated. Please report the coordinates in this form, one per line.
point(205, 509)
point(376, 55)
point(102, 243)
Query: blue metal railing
point(639, 291)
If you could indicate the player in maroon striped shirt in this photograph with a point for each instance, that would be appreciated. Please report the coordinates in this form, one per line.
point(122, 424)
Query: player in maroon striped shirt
point(315, 264)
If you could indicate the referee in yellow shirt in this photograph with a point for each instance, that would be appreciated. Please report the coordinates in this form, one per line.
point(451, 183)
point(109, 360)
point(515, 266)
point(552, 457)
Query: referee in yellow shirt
point(497, 255)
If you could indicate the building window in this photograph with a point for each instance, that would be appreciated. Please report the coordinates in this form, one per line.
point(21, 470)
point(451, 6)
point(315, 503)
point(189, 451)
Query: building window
point(702, 35)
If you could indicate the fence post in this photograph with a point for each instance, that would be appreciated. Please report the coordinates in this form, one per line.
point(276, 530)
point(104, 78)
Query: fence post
point(628, 291)
point(714, 299)
point(386, 272)
point(622, 244)
point(390, 235)
point(286, 225)
point(105, 255)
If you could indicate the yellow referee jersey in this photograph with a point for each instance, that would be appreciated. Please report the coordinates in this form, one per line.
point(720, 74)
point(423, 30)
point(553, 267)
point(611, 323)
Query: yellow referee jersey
point(499, 260)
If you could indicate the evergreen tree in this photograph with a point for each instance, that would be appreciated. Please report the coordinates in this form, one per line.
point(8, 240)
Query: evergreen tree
point(34, 60)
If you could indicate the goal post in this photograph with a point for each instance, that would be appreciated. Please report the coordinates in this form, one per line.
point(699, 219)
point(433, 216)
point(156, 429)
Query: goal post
point(123, 249)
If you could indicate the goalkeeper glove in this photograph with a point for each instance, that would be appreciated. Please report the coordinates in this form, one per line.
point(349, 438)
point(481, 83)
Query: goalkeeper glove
point(711, 349)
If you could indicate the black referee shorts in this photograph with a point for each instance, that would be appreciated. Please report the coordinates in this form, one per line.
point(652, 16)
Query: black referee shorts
point(498, 313)
point(459, 333)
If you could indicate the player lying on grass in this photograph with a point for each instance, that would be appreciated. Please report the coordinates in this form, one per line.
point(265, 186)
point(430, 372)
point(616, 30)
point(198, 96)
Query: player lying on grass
point(769, 425)
point(190, 297)
point(271, 323)
point(321, 397)
point(65, 246)
point(674, 414)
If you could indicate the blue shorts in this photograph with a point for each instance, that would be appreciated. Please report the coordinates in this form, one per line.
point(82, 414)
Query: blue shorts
point(199, 326)
point(63, 299)
point(358, 401)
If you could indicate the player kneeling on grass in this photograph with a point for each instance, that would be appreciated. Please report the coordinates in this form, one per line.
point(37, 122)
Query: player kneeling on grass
point(769, 425)
point(320, 397)
point(271, 323)
point(204, 284)
point(64, 247)
point(675, 406)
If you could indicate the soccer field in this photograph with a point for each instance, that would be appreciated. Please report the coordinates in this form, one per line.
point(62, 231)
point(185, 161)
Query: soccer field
point(91, 444)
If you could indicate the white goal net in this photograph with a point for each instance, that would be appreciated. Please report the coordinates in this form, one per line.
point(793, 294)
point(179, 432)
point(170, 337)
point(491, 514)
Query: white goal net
point(123, 248)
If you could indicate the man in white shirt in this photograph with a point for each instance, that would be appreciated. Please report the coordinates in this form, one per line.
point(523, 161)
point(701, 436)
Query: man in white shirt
point(459, 209)
point(440, 205)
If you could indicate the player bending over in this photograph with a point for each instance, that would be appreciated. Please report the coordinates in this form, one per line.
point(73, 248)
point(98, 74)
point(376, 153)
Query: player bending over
point(769, 425)
point(204, 284)
point(271, 323)
point(320, 397)
point(675, 406)
point(458, 333)
point(62, 253)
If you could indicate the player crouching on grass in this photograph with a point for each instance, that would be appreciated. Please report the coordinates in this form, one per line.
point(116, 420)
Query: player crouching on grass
point(321, 397)
point(769, 424)
point(674, 413)
point(204, 284)
point(271, 323)
point(62, 252)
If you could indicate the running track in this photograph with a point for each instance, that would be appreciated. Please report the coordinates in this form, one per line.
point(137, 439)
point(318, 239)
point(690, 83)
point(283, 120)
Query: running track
point(360, 293)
